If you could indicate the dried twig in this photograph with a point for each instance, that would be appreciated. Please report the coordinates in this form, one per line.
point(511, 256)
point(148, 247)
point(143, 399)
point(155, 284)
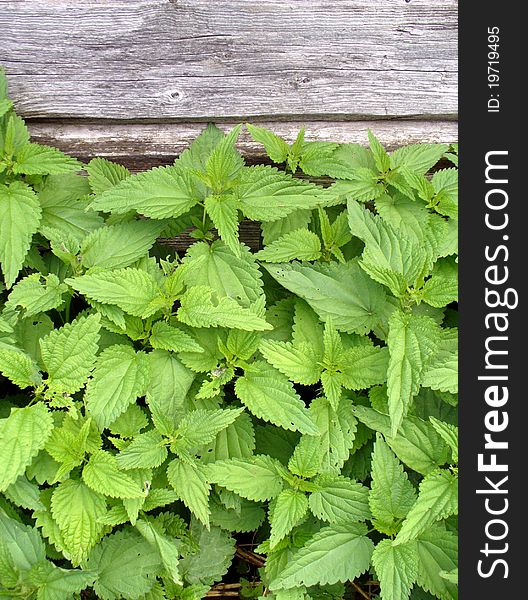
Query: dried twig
point(250, 557)
point(360, 591)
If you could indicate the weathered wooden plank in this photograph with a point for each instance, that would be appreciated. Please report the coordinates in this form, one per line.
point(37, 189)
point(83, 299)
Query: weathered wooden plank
point(140, 146)
point(178, 60)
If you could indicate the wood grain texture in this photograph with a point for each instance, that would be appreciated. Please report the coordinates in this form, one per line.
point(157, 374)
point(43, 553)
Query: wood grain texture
point(182, 60)
point(141, 146)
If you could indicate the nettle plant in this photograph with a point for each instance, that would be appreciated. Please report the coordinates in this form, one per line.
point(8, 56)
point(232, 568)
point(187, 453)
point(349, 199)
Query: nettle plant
point(296, 405)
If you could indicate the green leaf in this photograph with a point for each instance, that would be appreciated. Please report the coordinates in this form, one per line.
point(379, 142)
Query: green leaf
point(135, 291)
point(147, 450)
point(445, 184)
point(338, 430)
point(412, 340)
point(227, 274)
point(125, 566)
point(216, 551)
point(102, 474)
point(273, 230)
point(69, 353)
point(298, 362)
point(118, 380)
point(437, 552)
point(37, 159)
point(200, 426)
point(190, 484)
point(167, 548)
point(24, 493)
point(160, 193)
point(441, 373)
point(63, 199)
point(76, 509)
point(396, 567)
point(364, 185)
point(300, 244)
point(416, 444)
point(363, 366)
point(418, 158)
point(237, 440)
point(286, 511)
point(270, 396)
point(223, 211)
point(276, 148)
point(392, 495)
point(437, 499)
point(19, 368)
point(442, 288)
point(344, 292)
point(339, 500)
point(118, 246)
point(388, 258)
point(196, 155)
point(201, 307)
point(267, 194)
point(449, 433)
point(165, 337)
point(335, 553)
point(36, 293)
point(104, 174)
point(22, 435)
point(23, 543)
point(254, 478)
point(20, 215)
point(167, 385)
point(381, 158)
point(55, 583)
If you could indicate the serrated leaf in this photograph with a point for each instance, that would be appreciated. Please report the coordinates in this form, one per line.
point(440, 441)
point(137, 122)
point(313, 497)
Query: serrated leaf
point(449, 433)
point(55, 583)
point(200, 307)
point(298, 362)
point(63, 199)
point(306, 458)
point(69, 353)
point(276, 148)
point(125, 566)
point(300, 244)
point(418, 158)
point(237, 440)
point(227, 274)
point(19, 368)
point(437, 552)
point(412, 342)
point(135, 291)
point(335, 553)
point(337, 432)
point(442, 371)
point(442, 287)
point(286, 511)
point(147, 450)
point(22, 435)
point(392, 494)
point(102, 474)
point(200, 427)
point(36, 293)
point(388, 258)
point(381, 158)
point(24, 493)
point(396, 567)
point(104, 174)
point(339, 500)
point(20, 216)
point(363, 366)
point(159, 193)
point(270, 396)
point(253, 478)
point(344, 292)
point(76, 509)
point(216, 551)
point(166, 337)
point(118, 246)
point(364, 185)
point(267, 194)
point(273, 230)
point(190, 484)
point(118, 380)
point(22, 542)
point(223, 211)
point(437, 499)
point(167, 548)
point(37, 159)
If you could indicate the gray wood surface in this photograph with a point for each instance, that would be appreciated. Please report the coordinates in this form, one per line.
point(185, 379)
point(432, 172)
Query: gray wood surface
point(140, 146)
point(183, 60)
